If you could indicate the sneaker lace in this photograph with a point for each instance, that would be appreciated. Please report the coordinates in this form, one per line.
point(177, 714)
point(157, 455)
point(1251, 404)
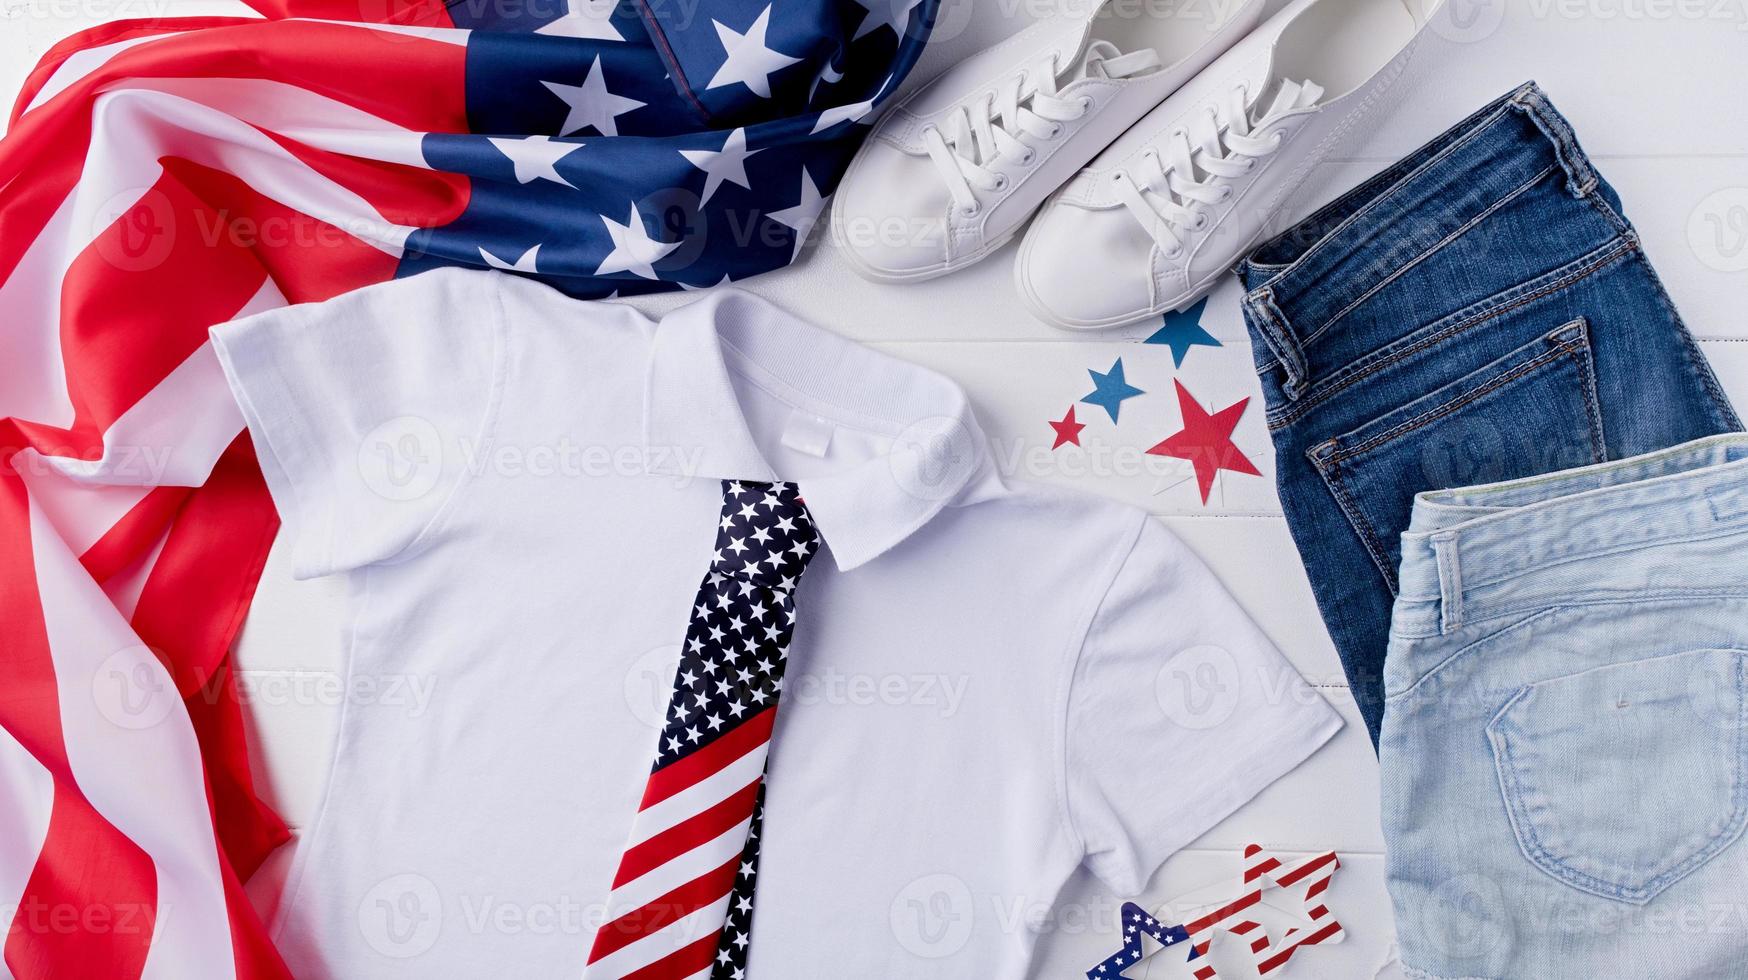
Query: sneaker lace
point(980, 132)
point(1177, 183)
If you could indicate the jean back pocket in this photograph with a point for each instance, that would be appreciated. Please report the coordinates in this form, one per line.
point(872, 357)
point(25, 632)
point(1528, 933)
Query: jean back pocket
point(1531, 412)
point(1622, 780)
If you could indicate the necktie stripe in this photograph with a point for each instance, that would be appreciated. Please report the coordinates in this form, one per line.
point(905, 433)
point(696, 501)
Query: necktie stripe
point(698, 796)
point(750, 736)
point(653, 884)
point(683, 893)
point(674, 906)
point(703, 827)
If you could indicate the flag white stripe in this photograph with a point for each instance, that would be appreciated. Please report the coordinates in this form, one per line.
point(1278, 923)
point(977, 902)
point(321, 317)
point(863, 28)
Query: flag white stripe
point(24, 812)
point(84, 62)
point(125, 727)
point(700, 796)
point(658, 881)
point(296, 113)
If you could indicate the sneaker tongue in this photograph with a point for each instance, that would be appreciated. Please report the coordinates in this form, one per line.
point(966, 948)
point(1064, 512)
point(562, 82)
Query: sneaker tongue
point(1291, 95)
point(1104, 60)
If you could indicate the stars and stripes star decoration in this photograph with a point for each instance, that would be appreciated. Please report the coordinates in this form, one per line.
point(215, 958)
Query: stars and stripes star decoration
point(165, 175)
point(682, 900)
point(1251, 914)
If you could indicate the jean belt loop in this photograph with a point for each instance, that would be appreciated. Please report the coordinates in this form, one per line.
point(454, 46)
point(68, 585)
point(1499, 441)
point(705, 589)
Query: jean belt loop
point(1279, 336)
point(1450, 581)
point(1581, 177)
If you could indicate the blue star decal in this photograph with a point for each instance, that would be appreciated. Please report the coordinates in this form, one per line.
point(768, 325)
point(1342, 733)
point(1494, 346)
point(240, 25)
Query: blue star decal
point(1183, 331)
point(1111, 390)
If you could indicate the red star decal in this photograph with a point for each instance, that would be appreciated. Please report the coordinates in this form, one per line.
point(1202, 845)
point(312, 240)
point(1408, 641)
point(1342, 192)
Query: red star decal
point(1067, 430)
point(1206, 441)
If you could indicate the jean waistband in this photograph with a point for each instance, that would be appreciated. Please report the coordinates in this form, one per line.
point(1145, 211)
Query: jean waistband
point(1461, 543)
point(1303, 282)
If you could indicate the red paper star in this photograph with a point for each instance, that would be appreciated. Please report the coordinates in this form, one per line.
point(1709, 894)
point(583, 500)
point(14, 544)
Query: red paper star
point(1067, 430)
point(1206, 441)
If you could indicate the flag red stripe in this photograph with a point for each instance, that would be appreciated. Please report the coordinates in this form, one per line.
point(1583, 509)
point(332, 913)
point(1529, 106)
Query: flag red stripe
point(711, 759)
point(93, 890)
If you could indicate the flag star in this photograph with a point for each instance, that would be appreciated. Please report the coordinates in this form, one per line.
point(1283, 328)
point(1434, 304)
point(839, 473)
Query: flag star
point(724, 956)
point(737, 545)
point(694, 734)
point(737, 624)
point(724, 688)
point(722, 600)
point(839, 114)
point(714, 721)
point(536, 157)
point(739, 708)
point(688, 678)
point(725, 280)
point(741, 941)
point(673, 743)
point(746, 868)
point(587, 19)
point(762, 535)
point(717, 634)
point(804, 214)
point(747, 677)
point(728, 163)
point(735, 489)
point(591, 104)
point(747, 59)
point(885, 13)
point(633, 250)
point(727, 522)
point(526, 262)
point(746, 588)
point(749, 512)
point(786, 524)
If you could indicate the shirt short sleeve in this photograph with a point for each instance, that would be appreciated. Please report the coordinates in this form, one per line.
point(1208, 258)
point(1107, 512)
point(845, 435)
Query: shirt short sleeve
point(1180, 711)
point(366, 410)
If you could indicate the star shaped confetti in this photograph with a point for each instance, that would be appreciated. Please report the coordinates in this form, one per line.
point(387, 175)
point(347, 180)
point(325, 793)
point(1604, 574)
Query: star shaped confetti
point(1067, 430)
point(1111, 390)
point(1206, 441)
point(1183, 331)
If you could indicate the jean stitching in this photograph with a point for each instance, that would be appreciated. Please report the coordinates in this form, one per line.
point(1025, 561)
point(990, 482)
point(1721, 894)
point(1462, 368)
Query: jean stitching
point(1384, 194)
point(1466, 320)
point(1556, 561)
point(1696, 358)
point(1562, 348)
point(1705, 847)
point(1465, 651)
point(1361, 524)
point(1434, 249)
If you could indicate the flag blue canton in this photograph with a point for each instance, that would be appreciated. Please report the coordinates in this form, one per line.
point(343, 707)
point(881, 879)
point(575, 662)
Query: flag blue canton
point(649, 145)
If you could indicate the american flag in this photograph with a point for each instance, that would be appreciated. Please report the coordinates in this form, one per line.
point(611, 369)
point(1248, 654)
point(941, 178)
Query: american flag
point(1247, 916)
point(163, 176)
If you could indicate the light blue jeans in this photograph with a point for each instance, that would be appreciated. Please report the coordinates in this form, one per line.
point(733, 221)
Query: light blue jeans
point(1565, 742)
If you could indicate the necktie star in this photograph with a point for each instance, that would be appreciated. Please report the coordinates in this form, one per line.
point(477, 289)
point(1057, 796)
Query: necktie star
point(1111, 390)
point(1067, 430)
point(1206, 441)
point(803, 215)
point(1183, 331)
point(746, 57)
point(591, 104)
point(728, 163)
point(524, 263)
point(588, 19)
point(536, 157)
point(633, 250)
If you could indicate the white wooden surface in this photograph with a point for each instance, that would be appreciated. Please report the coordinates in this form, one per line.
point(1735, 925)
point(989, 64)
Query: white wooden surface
point(1656, 90)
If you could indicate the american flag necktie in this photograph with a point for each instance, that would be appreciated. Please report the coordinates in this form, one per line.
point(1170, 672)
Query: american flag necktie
point(681, 906)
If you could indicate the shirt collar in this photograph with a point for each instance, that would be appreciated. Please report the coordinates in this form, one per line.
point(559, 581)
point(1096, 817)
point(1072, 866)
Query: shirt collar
point(936, 450)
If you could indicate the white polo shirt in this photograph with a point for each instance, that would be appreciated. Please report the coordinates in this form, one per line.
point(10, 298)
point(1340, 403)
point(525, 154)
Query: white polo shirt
point(990, 683)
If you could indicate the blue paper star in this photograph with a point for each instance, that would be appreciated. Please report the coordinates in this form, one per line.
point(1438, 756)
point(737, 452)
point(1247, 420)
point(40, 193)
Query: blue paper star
point(1183, 331)
point(1111, 390)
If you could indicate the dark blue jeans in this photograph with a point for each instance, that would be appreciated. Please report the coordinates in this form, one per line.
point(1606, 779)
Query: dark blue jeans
point(1479, 312)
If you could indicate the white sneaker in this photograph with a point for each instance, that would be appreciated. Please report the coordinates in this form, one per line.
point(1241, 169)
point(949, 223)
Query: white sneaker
point(953, 171)
point(1173, 205)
